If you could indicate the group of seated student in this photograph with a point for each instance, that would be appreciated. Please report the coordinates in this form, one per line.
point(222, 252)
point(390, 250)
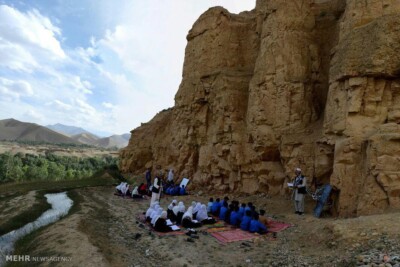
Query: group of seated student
point(174, 190)
point(244, 216)
point(195, 216)
point(126, 190)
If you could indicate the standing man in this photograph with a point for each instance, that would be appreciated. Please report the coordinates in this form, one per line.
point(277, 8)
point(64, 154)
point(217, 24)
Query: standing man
point(148, 178)
point(299, 187)
point(155, 190)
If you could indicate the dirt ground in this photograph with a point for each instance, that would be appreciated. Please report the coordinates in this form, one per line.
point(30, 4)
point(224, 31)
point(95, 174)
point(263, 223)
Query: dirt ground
point(105, 232)
point(12, 206)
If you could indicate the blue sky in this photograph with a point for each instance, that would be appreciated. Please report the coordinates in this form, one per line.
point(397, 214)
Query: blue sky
point(103, 65)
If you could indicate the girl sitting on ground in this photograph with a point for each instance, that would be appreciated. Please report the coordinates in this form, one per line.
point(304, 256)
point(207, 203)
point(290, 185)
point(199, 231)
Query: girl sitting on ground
point(202, 216)
point(187, 219)
point(161, 223)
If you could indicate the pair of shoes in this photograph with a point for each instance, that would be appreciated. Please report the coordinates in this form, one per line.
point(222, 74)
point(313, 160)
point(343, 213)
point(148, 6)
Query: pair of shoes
point(190, 239)
point(297, 212)
point(301, 213)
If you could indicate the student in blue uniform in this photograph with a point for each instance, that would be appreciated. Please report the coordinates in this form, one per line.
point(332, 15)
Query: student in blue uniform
point(215, 207)
point(242, 210)
point(223, 211)
point(245, 224)
point(182, 191)
point(228, 213)
point(249, 205)
point(209, 204)
point(256, 226)
point(234, 219)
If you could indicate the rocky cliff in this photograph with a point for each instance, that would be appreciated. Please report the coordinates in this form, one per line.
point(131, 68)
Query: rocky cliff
point(308, 83)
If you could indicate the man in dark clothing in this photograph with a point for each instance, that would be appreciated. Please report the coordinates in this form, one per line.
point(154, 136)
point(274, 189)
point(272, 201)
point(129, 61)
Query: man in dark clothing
point(148, 178)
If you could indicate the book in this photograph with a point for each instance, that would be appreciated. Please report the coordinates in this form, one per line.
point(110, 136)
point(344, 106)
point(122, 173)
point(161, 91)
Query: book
point(175, 228)
point(169, 222)
point(290, 184)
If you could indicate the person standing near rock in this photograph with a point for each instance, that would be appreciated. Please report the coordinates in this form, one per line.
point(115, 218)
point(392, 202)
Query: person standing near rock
point(299, 187)
point(148, 178)
point(155, 190)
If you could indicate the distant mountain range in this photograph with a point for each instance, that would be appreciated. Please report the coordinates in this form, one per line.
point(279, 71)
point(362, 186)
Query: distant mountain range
point(11, 129)
point(67, 130)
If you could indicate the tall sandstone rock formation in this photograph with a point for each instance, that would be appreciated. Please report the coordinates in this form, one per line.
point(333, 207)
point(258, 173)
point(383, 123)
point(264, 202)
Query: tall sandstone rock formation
point(308, 83)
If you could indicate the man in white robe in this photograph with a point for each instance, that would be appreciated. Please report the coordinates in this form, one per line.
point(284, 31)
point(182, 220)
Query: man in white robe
point(156, 190)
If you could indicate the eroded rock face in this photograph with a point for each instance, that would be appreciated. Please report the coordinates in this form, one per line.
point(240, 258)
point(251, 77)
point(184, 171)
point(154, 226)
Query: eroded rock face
point(307, 83)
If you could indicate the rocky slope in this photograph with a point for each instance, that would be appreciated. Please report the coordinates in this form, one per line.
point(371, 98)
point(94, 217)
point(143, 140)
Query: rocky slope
point(308, 83)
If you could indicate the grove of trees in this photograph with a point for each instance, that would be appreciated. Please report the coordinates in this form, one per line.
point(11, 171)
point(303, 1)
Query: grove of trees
point(28, 167)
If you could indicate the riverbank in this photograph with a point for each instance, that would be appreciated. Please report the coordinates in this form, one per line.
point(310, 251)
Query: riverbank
point(104, 231)
point(21, 203)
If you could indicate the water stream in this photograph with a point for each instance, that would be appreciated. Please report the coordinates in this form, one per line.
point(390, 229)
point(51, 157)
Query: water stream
point(60, 205)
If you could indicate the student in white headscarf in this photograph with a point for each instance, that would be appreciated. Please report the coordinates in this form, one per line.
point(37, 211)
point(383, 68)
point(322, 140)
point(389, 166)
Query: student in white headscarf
point(202, 216)
point(135, 193)
point(161, 223)
point(119, 187)
point(179, 211)
point(187, 219)
point(156, 215)
point(154, 212)
point(196, 210)
point(125, 189)
point(170, 178)
point(150, 211)
point(170, 213)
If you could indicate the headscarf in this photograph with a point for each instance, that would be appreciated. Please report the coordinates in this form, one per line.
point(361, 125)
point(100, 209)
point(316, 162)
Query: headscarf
point(176, 209)
point(202, 213)
point(154, 213)
point(163, 215)
point(119, 187)
point(150, 210)
point(197, 207)
point(194, 204)
point(157, 215)
point(171, 206)
point(135, 191)
point(181, 206)
point(125, 188)
point(188, 213)
point(170, 175)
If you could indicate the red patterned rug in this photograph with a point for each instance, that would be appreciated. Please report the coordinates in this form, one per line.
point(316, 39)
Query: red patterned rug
point(275, 226)
point(233, 236)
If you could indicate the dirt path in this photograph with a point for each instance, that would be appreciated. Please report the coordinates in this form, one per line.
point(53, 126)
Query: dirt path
point(106, 233)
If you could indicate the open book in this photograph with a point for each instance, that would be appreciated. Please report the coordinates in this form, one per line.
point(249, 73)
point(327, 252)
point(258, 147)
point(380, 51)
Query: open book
point(169, 222)
point(290, 184)
point(175, 228)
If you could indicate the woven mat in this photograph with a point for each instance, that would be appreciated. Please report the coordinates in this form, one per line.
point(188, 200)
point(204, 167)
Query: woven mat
point(233, 236)
point(276, 226)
